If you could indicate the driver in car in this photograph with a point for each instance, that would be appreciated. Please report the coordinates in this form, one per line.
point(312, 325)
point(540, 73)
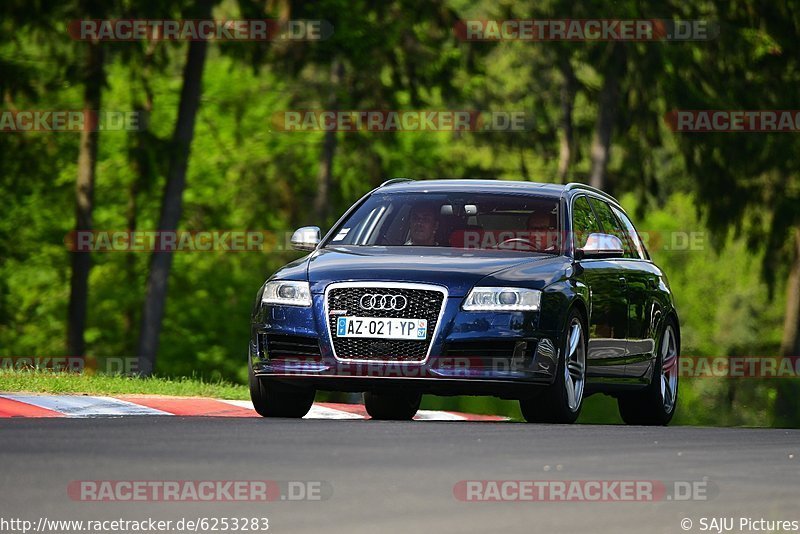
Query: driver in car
point(424, 223)
point(542, 234)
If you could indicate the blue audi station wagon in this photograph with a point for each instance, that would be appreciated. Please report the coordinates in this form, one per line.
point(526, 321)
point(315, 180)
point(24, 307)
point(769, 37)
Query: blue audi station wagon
point(540, 293)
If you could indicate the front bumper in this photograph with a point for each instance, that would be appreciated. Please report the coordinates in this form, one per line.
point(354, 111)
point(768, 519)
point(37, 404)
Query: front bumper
point(480, 353)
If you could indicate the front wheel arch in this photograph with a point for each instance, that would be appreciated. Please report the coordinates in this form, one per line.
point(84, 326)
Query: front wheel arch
point(671, 317)
point(580, 306)
point(555, 403)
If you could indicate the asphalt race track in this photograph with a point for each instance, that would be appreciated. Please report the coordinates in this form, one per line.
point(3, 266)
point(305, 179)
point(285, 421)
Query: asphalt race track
point(400, 476)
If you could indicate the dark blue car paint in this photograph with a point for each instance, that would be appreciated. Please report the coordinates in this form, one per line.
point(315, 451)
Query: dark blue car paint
point(562, 279)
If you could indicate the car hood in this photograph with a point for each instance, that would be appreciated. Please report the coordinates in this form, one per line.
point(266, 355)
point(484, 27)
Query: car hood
point(456, 269)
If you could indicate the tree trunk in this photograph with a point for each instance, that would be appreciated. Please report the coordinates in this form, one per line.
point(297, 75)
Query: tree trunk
point(325, 173)
point(84, 197)
point(607, 112)
point(790, 346)
point(130, 261)
point(568, 89)
point(160, 262)
point(787, 401)
point(140, 162)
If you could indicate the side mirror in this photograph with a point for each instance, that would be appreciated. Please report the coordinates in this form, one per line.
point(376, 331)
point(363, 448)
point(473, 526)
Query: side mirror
point(601, 246)
point(306, 238)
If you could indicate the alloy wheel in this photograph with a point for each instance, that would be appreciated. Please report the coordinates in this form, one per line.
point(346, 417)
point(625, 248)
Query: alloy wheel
point(575, 365)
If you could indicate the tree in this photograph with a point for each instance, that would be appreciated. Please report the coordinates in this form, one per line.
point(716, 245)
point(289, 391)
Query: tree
point(608, 105)
point(748, 181)
point(92, 78)
point(161, 261)
point(411, 45)
point(84, 199)
point(325, 173)
point(569, 86)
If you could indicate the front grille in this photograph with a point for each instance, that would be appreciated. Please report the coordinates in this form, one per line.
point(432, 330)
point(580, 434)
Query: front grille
point(422, 304)
point(285, 347)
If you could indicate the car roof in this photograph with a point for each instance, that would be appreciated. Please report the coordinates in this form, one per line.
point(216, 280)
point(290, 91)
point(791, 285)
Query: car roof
point(405, 185)
point(488, 186)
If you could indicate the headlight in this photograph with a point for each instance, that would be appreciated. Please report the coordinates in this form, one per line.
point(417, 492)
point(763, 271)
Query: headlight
point(502, 299)
point(287, 292)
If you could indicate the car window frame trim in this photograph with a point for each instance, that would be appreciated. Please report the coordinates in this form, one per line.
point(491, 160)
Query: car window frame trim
point(589, 193)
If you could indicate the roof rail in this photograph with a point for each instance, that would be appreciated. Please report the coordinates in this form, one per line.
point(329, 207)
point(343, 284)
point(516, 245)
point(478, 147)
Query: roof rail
point(578, 185)
point(395, 181)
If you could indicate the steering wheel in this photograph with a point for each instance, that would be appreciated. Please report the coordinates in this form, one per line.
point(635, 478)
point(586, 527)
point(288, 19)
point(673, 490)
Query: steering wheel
point(511, 240)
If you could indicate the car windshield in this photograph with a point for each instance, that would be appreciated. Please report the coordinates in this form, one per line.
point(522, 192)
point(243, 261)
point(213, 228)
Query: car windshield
point(513, 222)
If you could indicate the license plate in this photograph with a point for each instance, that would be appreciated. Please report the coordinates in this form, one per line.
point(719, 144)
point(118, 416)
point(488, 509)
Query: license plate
point(382, 328)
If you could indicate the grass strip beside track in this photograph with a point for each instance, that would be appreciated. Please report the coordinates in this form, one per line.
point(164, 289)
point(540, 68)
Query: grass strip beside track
point(40, 381)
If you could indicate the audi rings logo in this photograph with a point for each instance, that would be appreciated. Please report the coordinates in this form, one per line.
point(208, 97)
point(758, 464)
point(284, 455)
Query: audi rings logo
point(372, 301)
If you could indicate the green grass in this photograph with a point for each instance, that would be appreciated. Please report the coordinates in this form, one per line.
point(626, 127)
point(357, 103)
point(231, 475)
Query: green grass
point(40, 381)
point(43, 381)
point(696, 407)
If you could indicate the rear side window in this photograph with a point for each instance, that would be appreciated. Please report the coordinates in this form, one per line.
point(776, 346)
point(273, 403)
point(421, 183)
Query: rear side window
point(584, 221)
point(612, 226)
point(633, 236)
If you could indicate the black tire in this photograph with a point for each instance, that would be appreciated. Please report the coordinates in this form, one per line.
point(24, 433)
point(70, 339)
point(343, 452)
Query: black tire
point(273, 399)
point(648, 406)
point(392, 405)
point(552, 404)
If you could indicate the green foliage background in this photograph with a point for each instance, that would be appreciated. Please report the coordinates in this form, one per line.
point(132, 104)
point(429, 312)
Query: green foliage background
point(245, 175)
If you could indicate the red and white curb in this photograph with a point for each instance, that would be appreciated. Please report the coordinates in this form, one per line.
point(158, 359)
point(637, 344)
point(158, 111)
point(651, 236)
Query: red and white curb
point(31, 405)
